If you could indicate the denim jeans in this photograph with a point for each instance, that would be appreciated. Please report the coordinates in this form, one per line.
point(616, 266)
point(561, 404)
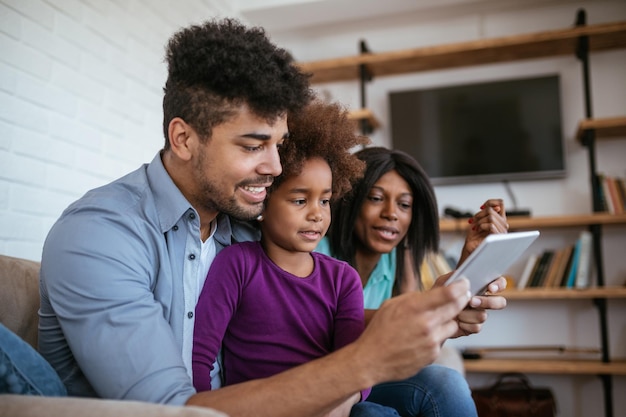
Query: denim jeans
point(435, 391)
point(23, 370)
point(370, 409)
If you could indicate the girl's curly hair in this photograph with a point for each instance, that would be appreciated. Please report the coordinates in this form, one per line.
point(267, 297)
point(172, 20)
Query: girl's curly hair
point(221, 64)
point(322, 130)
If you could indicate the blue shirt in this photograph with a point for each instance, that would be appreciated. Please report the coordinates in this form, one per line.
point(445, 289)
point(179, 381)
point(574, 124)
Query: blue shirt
point(379, 286)
point(113, 304)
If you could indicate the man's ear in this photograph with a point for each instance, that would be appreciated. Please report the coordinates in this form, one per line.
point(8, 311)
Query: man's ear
point(180, 134)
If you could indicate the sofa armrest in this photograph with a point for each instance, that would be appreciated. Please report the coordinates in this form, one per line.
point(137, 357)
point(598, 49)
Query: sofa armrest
point(35, 406)
point(19, 297)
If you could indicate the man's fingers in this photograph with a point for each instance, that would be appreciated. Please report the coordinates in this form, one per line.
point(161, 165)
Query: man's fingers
point(446, 302)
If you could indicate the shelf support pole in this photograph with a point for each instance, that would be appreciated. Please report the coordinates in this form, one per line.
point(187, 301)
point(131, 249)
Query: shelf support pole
point(582, 53)
point(365, 76)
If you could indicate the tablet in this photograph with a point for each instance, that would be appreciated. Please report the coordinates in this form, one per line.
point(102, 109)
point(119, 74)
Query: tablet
point(492, 258)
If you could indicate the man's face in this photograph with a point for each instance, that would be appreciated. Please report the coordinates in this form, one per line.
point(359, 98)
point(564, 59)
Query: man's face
point(233, 169)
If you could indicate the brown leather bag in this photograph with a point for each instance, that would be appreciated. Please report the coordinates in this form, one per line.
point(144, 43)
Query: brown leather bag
point(513, 396)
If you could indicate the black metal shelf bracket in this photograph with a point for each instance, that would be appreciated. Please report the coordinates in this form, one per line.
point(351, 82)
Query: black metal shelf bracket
point(365, 76)
point(589, 140)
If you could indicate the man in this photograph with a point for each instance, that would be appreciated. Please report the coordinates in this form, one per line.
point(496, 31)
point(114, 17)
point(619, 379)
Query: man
point(123, 266)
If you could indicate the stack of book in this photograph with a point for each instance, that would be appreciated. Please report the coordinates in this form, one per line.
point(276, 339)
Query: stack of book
point(568, 267)
point(613, 193)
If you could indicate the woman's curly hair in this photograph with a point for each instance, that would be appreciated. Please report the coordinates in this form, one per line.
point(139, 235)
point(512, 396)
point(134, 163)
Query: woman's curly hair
point(324, 131)
point(221, 64)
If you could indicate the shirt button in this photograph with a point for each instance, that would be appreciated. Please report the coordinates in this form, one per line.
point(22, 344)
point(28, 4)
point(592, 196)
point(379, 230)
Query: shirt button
point(175, 228)
point(192, 257)
point(192, 216)
point(190, 314)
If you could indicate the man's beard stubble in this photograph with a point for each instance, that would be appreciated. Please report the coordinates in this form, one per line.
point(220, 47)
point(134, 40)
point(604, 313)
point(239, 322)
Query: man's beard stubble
point(210, 198)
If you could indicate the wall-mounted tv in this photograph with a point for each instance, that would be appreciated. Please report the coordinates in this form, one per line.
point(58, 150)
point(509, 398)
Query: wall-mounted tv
point(483, 132)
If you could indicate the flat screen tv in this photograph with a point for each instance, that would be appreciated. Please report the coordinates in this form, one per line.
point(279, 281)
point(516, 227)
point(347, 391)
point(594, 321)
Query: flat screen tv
point(484, 132)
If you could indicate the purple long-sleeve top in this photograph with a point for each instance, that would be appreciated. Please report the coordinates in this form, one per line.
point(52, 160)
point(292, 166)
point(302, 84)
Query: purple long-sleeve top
point(267, 320)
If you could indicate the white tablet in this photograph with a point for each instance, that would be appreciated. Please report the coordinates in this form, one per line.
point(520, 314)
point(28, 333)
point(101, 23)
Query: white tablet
point(492, 258)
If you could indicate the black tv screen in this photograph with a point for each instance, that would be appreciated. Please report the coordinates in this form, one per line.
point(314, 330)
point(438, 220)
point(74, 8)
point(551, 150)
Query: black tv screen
point(487, 132)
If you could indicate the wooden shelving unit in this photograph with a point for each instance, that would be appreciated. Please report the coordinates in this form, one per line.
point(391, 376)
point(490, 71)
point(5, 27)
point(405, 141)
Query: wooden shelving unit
point(364, 114)
point(484, 51)
point(551, 222)
point(546, 366)
point(554, 365)
point(604, 128)
point(565, 293)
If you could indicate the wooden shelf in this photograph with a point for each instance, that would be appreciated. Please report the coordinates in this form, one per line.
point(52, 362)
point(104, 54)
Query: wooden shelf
point(605, 128)
point(546, 366)
point(482, 51)
point(526, 223)
point(565, 293)
point(365, 114)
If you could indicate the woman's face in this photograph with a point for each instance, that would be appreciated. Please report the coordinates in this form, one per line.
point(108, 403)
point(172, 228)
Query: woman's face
point(385, 215)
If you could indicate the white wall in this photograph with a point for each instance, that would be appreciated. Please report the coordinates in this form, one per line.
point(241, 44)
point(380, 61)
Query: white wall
point(573, 323)
point(80, 101)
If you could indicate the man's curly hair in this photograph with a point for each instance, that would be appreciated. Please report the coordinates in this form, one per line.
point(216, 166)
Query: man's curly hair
point(221, 64)
point(324, 131)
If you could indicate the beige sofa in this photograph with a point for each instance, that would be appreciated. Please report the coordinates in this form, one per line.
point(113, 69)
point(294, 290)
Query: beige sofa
point(19, 302)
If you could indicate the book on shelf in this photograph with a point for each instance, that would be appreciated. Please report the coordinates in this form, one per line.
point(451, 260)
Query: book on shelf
point(621, 191)
point(564, 262)
point(536, 280)
point(583, 270)
point(552, 271)
point(571, 272)
point(529, 267)
point(568, 265)
point(612, 193)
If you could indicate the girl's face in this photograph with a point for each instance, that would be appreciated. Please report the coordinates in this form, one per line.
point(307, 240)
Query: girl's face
point(297, 213)
point(385, 215)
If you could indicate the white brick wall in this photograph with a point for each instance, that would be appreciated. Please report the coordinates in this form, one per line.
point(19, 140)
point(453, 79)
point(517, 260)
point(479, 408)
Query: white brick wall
point(80, 101)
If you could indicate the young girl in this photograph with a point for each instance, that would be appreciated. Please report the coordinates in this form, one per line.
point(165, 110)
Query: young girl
point(274, 304)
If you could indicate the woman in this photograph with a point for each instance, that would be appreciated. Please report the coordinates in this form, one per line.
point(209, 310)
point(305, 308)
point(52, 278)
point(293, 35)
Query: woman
point(383, 228)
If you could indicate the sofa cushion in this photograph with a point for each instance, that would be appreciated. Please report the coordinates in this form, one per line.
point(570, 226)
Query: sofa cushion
point(27, 406)
point(19, 297)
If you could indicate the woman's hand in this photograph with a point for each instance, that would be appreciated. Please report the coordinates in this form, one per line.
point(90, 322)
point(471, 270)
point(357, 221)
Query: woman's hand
point(472, 318)
point(490, 219)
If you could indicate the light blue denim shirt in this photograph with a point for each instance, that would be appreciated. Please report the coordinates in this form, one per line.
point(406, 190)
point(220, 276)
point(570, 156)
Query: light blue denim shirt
point(112, 300)
point(379, 286)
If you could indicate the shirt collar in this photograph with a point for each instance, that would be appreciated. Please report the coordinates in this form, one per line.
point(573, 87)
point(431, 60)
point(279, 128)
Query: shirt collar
point(170, 202)
point(385, 268)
